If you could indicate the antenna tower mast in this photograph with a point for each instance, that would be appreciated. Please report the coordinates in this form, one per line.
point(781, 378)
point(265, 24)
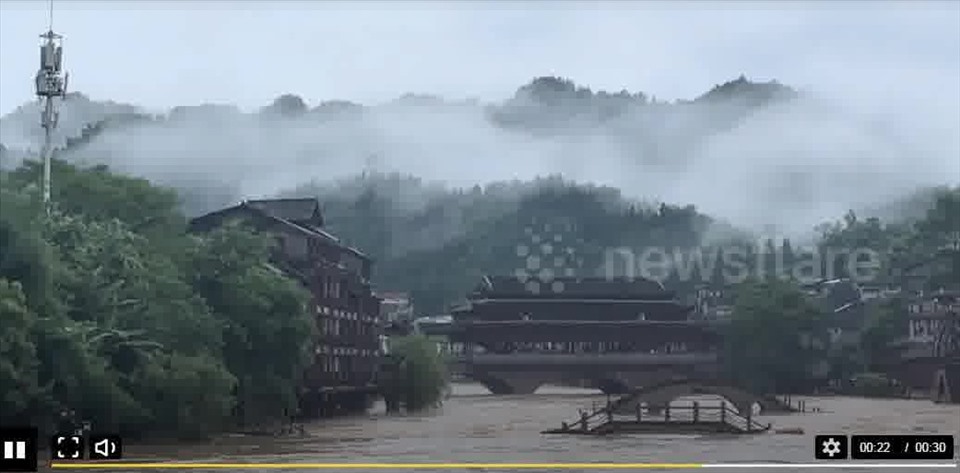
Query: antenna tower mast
point(51, 84)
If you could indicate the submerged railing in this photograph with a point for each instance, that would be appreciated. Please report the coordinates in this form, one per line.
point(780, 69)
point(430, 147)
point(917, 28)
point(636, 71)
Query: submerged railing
point(596, 421)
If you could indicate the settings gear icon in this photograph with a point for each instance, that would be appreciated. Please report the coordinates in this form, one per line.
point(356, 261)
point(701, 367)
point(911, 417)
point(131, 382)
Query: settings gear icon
point(548, 252)
point(831, 447)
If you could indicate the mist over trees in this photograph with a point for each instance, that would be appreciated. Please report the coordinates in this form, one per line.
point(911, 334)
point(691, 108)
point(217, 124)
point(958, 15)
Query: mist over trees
point(737, 151)
point(449, 189)
point(111, 309)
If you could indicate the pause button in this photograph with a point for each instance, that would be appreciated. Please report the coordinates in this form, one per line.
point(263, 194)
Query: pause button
point(15, 450)
point(19, 449)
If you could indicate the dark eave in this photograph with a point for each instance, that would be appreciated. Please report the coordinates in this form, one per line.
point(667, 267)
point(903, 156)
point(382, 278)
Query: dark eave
point(214, 218)
point(492, 287)
point(592, 300)
point(305, 211)
point(589, 323)
point(356, 252)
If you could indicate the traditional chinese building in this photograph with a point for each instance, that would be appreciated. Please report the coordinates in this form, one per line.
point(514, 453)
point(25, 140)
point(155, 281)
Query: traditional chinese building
point(930, 347)
point(395, 306)
point(713, 303)
point(843, 303)
point(396, 314)
point(934, 322)
point(609, 333)
point(347, 348)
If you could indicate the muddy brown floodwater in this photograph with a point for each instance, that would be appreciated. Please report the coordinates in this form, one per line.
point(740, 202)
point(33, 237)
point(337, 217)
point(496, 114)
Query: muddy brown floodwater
point(475, 426)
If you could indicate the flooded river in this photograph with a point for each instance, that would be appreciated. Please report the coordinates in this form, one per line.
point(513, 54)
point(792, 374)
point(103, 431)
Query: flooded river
point(477, 427)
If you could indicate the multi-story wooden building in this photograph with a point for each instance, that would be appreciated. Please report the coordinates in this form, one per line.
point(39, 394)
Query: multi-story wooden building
point(934, 322)
point(930, 346)
point(347, 349)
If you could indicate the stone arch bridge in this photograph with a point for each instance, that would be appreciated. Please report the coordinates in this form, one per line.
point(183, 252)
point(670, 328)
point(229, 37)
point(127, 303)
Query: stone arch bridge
point(653, 380)
point(611, 373)
point(656, 397)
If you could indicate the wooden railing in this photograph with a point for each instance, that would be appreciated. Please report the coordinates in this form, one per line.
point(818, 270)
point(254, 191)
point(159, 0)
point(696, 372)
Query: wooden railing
point(592, 420)
point(685, 414)
point(697, 413)
point(787, 400)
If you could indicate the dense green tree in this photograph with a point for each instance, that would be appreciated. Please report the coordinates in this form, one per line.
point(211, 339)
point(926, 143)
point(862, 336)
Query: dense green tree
point(19, 382)
point(844, 238)
point(134, 323)
point(81, 380)
point(775, 336)
point(885, 325)
point(266, 318)
point(938, 236)
point(191, 394)
point(417, 378)
point(99, 194)
point(25, 257)
point(941, 225)
point(118, 282)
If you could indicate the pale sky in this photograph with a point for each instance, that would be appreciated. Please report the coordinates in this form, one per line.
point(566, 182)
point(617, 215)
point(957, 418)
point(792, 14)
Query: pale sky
point(162, 54)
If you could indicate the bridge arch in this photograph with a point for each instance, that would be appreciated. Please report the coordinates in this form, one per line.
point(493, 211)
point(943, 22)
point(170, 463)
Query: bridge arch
point(505, 383)
point(660, 395)
point(613, 385)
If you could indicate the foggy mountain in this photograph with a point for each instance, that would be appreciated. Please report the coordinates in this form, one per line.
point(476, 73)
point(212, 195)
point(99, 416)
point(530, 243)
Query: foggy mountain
point(759, 155)
point(20, 129)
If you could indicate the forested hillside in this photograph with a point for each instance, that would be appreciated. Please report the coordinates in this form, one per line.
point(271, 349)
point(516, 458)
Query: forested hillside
point(112, 310)
point(451, 238)
point(762, 347)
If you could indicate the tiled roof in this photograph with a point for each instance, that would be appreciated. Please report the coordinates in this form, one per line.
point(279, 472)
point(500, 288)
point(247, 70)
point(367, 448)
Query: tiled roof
point(294, 210)
point(577, 287)
point(293, 213)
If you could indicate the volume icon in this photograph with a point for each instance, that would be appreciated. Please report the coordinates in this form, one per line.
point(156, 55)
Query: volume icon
point(105, 447)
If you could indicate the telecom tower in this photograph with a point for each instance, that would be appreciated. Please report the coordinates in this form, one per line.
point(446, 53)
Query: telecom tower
point(50, 85)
